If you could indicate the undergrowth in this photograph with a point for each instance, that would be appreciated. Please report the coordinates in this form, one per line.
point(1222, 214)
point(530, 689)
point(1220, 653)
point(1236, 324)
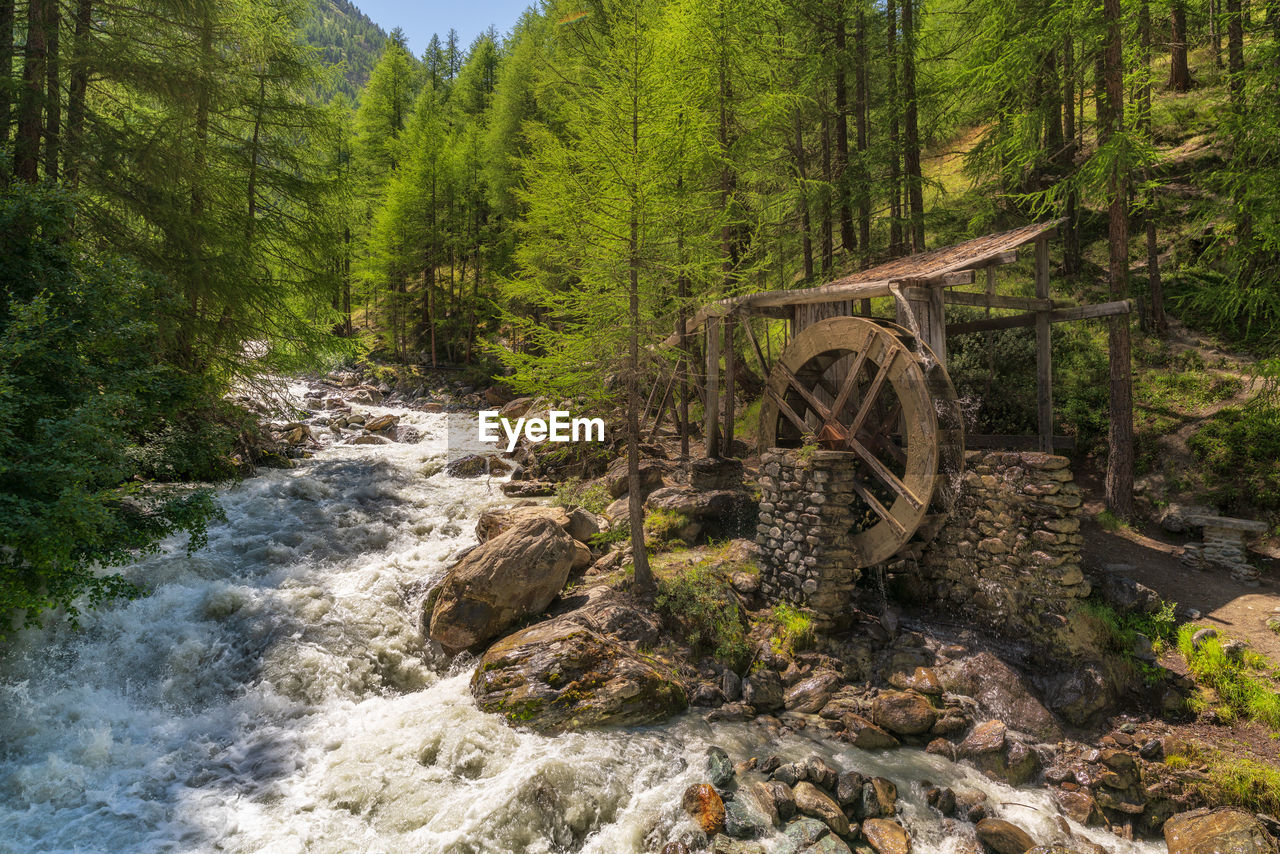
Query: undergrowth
point(698, 602)
point(1117, 633)
point(589, 495)
point(1242, 686)
point(1231, 779)
point(792, 629)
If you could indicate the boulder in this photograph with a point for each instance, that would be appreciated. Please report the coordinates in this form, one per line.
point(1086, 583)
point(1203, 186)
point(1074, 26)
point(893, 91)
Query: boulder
point(885, 836)
point(1001, 693)
point(493, 522)
point(730, 507)
point(1126, 595)
point(500, 582)
point(879, 798)
point(475, 465)
point(1226, 830)
point(559, 675)
point(807, 831)
point(382, 422)
point(582, 556)
point(784, 802)
point(903, 712)
point(809, 695)
point(651, 472)
point(528, 488)
point(515, 408)
point(703, 802)
point(864, 734)
point(719, 767)
point(818, 772)
point(1004, 838)
point(763, 690)
point(1080, 694)
point(758, 798)
point(813, 802)
point(583, 524)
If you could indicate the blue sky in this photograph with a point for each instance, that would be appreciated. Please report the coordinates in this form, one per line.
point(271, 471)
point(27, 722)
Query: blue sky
point(420, 19)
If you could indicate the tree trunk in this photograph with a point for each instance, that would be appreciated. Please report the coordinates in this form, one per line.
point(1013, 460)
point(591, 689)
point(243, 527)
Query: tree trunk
point(1215, 31)
point(26, 147)
point(827, 227)
point(53, 93)
point(1071, 228)
point(806, 224)
point(1179, 73)
point(1119, 478)
point(915, 188)
point(6, 67)
point(847, 241)
point(76, 91)
point(862, 100)
point(1235, 53)
point(635, 504)
point(895, 141)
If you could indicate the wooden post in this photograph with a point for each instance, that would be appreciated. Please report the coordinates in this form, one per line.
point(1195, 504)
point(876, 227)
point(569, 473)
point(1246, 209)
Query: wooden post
point(730, 375)
point(1044, 369)
point(712, 402)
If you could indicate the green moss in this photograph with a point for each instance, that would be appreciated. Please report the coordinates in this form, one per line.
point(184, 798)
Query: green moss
point(663, 526)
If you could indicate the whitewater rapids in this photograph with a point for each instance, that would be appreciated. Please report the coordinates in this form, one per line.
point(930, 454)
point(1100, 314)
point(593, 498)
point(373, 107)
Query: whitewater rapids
point(272, 693)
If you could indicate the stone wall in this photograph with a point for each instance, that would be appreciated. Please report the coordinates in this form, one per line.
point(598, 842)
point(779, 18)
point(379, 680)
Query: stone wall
point(1008, 557)
point(806, 515)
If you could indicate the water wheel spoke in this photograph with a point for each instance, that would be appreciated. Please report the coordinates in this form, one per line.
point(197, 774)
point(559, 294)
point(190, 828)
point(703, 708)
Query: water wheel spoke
point(889, 479)
point(872, 393)
point(814, 404)
point(786, 410)
point(850, 382)
point(879, 508)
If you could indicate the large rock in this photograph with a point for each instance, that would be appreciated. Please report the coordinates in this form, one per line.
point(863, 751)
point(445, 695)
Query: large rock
point(1227, 830)
point(809, 695)
point(1001, 692)
point(995, 754)
point(501, 582)
point(1004, 838)
point(903, 712)
point(494, 522)
point(651, 472)
point(703, 803)
point(763, 691)
point(1080, 694)
point(885, 836)
point(813, 802)
point(560, 675)
point(863, 733)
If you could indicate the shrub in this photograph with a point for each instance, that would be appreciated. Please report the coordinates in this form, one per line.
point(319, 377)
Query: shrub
point(699, 604)
point(589, 495)
point(1240, 686)
point(793, 629)
point(1240, 447)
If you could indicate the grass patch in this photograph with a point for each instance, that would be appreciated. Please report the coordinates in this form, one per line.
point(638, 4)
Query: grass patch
point(592, 496)
point(661, 527)
point(792, 629)
point(1117, 634)
point(1231, 779)
point(1240, 448)
point(698, 603)
point(1111, 522)
point(1241, 684)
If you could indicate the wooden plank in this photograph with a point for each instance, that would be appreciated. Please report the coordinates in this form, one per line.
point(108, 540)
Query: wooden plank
point(1044, 356)
point(880, 510)
point(1015, 443)
point(999, 301)
point(786, 410)
point(730, 376)
point(1060, 315)
point(942, 280)
point(755, 347)
point(711, 413)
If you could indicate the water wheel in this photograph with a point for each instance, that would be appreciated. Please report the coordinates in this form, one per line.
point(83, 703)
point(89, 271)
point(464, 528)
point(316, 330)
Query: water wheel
point(870, 388)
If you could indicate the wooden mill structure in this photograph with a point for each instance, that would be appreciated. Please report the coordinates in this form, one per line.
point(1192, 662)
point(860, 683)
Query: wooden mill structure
point(878, 388)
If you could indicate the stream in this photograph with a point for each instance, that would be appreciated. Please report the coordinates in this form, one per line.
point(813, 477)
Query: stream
point(272, 693)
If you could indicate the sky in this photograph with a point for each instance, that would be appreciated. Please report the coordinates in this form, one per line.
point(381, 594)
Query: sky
point(422, 18)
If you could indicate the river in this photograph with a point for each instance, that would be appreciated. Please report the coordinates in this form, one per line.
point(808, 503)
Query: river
point(272, 693)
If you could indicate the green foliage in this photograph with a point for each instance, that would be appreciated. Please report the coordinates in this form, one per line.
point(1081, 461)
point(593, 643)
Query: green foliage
point(793, 629)
point(346, 37)
point(663, 526)
point(1240, 447)
point(1110, 522)
point(1239, 681)
point(589, 495)
point(1117, 634)
point(701, 605)
point(1229, 778)
point(81, 393)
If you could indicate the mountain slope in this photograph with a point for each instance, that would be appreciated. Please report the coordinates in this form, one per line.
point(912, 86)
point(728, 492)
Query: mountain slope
point(344, 34)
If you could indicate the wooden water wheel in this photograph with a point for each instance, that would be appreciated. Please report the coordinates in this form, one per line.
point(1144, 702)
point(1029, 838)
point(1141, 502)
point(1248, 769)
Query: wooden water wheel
point(870, 388)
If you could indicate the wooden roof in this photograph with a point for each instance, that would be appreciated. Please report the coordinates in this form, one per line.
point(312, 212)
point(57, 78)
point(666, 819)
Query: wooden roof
point(939, 267)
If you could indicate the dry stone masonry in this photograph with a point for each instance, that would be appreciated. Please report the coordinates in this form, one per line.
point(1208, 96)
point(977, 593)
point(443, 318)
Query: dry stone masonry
point(1224, 546)
point(1007, 558)
point(806, 516)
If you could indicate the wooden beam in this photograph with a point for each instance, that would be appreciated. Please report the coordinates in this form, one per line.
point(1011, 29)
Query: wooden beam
point(1044, 356)
point(1015, 443)
point(711, 413)
point(1060, 315)
point(755, 348)
point(998, 301)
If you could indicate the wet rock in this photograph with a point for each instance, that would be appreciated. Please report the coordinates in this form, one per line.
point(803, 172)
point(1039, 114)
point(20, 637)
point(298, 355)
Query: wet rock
point(742, 822)
point(941, 747)
point(848, 789)
point(559, 675)
point(494, 522)
point(812, 801)
point(998, 756)
point(675, 848)
point(986, 737)
point(1080, 694)
point(763, 690)
point(818, 772)
point(941, 799)
point(719, 767)
point(862, 733)
point(703, 803)
point(1226, 830)
point(879, 798)
point(923, 680)
point(732, 712)
point(784, 801)
point(1079, 806)
point(788, 773)
point(829, 844)
point(971, 805)
point(722, 844)
point(707, 695)
point(1004, 838)
point(730, 685)
point(758, 798)
point(885, 836)
point(809, 695)
point(807, 831)
point(500, 582)
point(383, 422)
point(1001, 693)
point(369, 439)
point(903, 713)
